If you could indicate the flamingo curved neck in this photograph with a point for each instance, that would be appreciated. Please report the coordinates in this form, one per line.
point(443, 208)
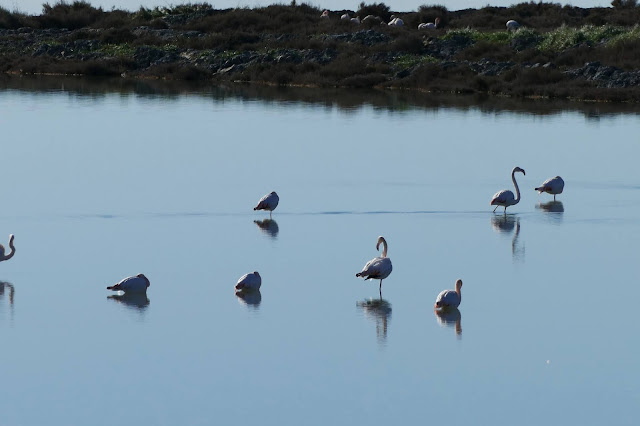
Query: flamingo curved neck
point(513, 178)
point(11, 253)
point(384, 248)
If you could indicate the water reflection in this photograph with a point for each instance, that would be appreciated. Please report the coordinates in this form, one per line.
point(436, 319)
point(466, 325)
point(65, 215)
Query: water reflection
point(555, 210)
point(345, 100)
point(379, 310)
point(268, 226)
point(505, 224)
point(251, 298)
point(136, 301)
point(8, 287)
point(11, 290)
point(450, 317)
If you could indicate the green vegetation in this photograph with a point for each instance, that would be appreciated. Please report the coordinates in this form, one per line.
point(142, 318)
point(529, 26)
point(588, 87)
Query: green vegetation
point(471, 50)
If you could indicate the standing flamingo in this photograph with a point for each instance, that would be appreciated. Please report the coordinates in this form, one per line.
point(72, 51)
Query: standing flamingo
point(429, 25)
point(553, 186)
point(4, 257)
point(449, 298)
point(505, 197)
point(377, 268)
point(268, 202)
point(137, 284)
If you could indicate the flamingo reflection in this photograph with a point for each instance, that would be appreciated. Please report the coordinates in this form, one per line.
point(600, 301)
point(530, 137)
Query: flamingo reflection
point(449, 317)
point(378, 310)
point(251, 298)
point(505, 225)
point(136, 301)
point(268, 226)
point(551, 207)
point(5, 285)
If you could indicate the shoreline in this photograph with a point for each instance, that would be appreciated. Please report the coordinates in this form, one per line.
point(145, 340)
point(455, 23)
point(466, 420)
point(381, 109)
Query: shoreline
point(293, 46)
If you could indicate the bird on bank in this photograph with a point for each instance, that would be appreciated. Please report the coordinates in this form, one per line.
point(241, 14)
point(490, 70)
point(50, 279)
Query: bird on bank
point(269, 202)
point(553, 186)
point(3, 256)
point(377, 268)
point(136, 284)
point(429, 25)
point(449, 298)
point(512, 25)
point(505, 198)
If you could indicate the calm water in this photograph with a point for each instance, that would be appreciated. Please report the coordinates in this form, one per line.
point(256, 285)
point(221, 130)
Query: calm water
point(101, 182)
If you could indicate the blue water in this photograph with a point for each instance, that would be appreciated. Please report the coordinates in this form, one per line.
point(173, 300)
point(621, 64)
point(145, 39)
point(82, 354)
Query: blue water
point(99, 186)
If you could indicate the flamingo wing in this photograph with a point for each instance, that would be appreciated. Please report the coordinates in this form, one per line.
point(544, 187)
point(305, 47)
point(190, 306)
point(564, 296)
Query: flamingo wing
point(554, 185)
point(502, 197)
point(377, 268)
point(448, 298)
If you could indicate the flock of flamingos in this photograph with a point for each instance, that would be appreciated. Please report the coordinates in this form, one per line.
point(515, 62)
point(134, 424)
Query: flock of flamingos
point(398, 22)
point(377, 268)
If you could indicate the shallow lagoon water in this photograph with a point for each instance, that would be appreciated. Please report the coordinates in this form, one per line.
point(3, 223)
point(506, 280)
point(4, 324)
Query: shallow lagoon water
point(102, 183)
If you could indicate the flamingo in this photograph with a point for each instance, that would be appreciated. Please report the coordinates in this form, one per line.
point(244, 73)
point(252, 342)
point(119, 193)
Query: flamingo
point(554, 186)
point(355, 20)
point(137, 284)
point(371, 18)
point(512, 25)
point(377, 268)
point(4, 257)
point(345, 17)
point(268, 202)
point(325, 14)
point(251, 281)
point(505, 197)
point(429, 25)
point(449, 298)
point(395, 22)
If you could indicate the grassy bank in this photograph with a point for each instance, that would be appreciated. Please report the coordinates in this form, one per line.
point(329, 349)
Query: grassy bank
point(559, 51)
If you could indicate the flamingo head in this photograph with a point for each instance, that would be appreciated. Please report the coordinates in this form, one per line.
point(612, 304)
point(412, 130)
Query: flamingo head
point(256, 273)
point(518, 169)
point(381, 240)
point(11, 237)
point(437, 21)
point(458, 285)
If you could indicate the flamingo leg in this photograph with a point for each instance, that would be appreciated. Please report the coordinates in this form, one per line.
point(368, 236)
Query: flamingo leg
point(494, 210)
point(380, 290)
point(505, 209)
point(554, 197)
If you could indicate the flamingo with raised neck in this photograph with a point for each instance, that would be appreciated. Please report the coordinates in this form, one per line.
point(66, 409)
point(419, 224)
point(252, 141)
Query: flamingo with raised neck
point(377, 268)
point(505, 197)
point(4, 257)
point(449, 298)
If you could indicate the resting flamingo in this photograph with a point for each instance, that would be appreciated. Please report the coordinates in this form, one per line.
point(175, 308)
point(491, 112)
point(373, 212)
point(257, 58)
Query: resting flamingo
point(355, 20)
point(449, 298)
point(429, 25)
point(268, 202)
point(251, 281)
point(137, 284)
point(345, 17)
point(395, 22)
point(512, 25)
point(554, 186)
point(325, 14)
point(377, 268)
point(505, 197)
point(4, 257)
